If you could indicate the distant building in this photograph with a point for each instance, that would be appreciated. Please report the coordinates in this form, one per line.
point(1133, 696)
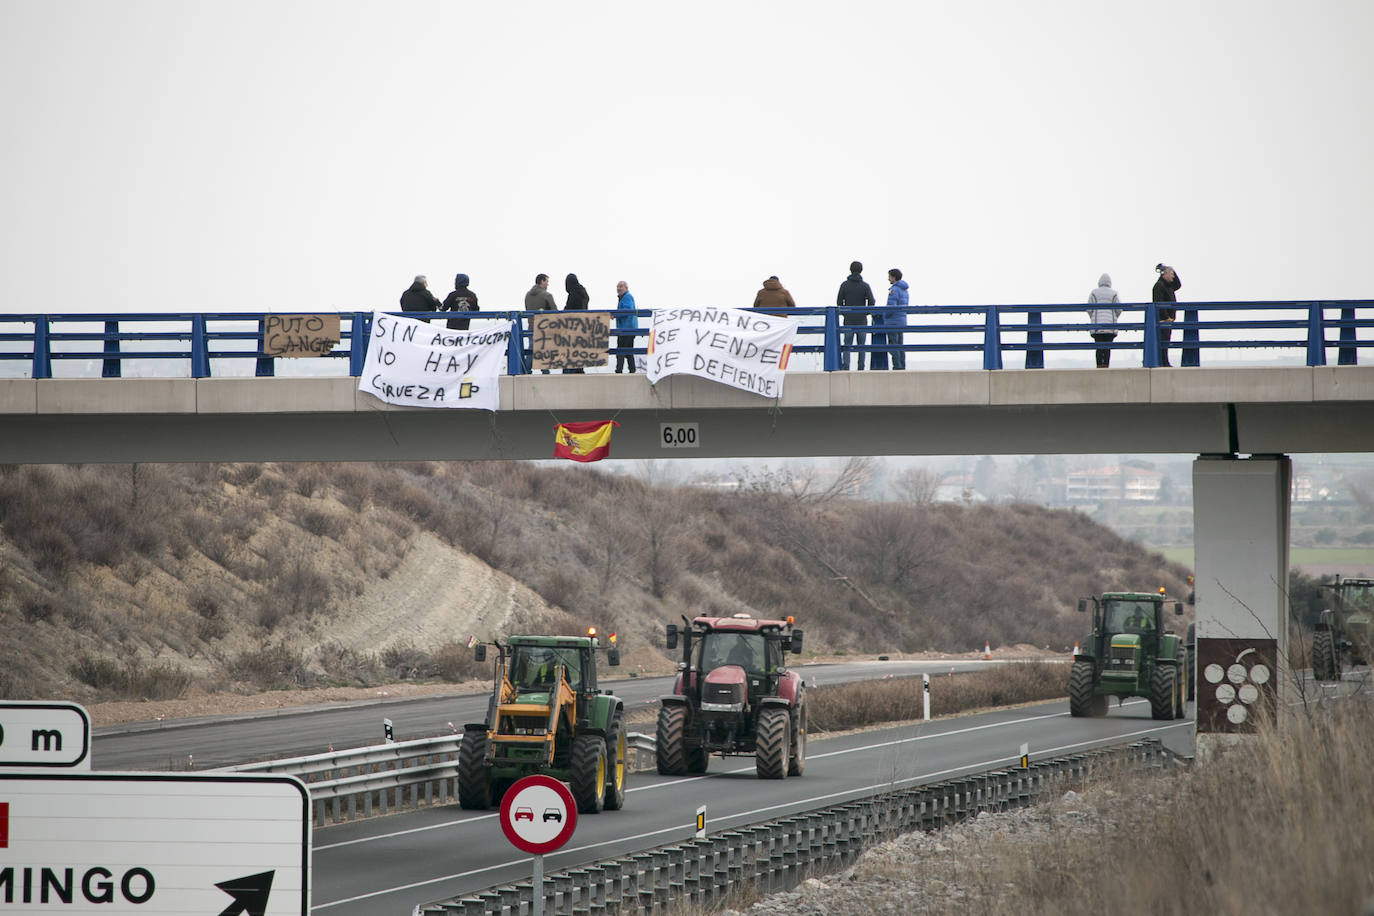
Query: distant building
point(1302, 488)
point(958, 488)
point(1114, 482)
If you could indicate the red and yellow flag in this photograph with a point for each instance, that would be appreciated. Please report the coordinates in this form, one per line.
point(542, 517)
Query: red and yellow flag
point(590, 441)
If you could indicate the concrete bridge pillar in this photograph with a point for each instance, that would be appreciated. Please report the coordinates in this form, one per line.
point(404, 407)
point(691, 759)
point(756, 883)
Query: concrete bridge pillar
point(1241, 520)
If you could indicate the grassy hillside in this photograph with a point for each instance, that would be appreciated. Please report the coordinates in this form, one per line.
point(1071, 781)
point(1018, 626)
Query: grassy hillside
point(142, 580)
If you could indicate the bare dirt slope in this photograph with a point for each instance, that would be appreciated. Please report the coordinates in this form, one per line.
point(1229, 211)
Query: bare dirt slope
point(438, 594)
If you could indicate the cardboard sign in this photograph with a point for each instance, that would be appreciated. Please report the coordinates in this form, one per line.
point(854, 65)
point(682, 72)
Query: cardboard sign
point(569, 340)
point(299, 335)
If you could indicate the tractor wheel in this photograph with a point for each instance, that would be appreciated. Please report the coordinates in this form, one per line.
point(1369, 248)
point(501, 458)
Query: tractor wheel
point(474, 779)
point(668, 748)
point(1082, 700)
point(616, 766)
point(771, 744)
point(589, 773)
point(697, 759)
point(796, 763)
point(1163, 689)
point(1326, 665)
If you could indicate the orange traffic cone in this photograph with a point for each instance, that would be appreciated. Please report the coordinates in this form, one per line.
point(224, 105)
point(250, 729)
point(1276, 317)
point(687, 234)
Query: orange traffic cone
point(987, 652)
point(1075, 648)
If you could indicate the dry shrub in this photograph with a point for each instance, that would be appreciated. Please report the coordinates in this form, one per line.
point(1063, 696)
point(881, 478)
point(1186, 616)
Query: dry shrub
point(864, 703)
point(1277, 824)
point(163, 681)
point(346, 666)
point(272, 667)
point(453, 662)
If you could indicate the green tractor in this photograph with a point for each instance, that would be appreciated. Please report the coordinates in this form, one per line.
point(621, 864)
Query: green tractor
point(1345, 630)
point(547, 716)
point(1130, 654)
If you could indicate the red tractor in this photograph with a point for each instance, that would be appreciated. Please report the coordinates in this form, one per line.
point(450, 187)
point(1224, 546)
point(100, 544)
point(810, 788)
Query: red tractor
point(734, 696)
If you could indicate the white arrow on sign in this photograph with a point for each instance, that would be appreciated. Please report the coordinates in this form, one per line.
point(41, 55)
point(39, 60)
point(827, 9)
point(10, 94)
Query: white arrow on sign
point(155, 843)
point(38, 734)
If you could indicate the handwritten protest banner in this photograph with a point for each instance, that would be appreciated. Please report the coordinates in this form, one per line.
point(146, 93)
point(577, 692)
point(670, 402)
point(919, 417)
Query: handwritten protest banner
point(570, 340)
point(419, 365)
point(299, 335)
point(744, 350)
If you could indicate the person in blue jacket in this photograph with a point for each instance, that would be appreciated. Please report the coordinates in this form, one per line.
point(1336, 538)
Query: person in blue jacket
point(625, 320)
point(895, 316)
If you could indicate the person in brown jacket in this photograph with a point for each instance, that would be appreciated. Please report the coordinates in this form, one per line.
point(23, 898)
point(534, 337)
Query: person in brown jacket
point(773, 296)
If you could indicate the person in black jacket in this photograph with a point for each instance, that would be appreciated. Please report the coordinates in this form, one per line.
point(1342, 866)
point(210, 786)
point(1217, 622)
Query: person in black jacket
point(854, 293)
point(577, 300)
point(1164, 289)
point(577, 294)
point(418, 298)
point(461, 299)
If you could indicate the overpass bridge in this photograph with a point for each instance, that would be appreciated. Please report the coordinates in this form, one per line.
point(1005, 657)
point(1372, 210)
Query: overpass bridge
point(1241, 420)
point(149, 387)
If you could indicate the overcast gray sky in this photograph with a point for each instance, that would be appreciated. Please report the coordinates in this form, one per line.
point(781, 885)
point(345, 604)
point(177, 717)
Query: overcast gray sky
point(301, 156)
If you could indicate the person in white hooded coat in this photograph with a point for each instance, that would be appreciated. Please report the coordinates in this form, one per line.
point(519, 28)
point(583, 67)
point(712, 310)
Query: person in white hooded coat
point(1103, 311)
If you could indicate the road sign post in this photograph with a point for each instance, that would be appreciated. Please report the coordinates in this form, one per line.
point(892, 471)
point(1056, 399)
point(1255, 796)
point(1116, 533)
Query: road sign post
point(155, 843)
point(538, 815)
point(925, 695)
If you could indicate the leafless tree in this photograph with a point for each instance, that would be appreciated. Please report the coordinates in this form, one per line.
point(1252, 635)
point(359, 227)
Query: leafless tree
point(918, 486)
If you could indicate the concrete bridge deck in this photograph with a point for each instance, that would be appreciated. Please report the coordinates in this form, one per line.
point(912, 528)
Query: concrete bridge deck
point(1211, 410)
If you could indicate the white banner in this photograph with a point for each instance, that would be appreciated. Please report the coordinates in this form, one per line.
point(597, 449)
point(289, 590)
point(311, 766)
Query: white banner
point(745, 350)
point(418, 364)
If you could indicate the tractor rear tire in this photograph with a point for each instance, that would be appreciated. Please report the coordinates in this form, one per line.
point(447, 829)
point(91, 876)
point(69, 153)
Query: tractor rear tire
point(668, 748)
point(474, 779)
point(1326, 666)
point(1163, 690)
point(616, 765)
point(771, 744)
point(1082, 700)
point(697, 759)
point(588, 781)
point(796, 763)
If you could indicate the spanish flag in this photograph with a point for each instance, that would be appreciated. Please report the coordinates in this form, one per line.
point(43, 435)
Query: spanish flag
point(589, 441)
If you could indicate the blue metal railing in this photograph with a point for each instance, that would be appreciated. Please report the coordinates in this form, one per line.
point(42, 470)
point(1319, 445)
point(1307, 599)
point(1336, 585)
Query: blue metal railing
point(987, 333)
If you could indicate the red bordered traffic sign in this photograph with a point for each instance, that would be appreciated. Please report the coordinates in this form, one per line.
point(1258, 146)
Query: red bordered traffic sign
point(538, 814)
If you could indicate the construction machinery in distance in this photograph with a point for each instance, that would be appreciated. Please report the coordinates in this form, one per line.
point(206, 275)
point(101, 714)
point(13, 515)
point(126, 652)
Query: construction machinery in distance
point(734, 696)
point(1130, 653)
point(546, 715)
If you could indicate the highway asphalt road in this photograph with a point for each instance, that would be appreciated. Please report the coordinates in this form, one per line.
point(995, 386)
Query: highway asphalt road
point(386, 866)
point(224, 741)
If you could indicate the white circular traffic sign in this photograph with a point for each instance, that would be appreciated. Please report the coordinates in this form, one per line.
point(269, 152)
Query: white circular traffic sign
point(538, 814)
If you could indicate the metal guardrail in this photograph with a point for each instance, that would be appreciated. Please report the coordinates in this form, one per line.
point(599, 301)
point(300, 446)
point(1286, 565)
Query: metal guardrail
point(986, 332)
point(371, 781)
point(779, 855)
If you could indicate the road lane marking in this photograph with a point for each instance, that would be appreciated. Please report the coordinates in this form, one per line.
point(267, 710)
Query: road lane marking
point(676, 828)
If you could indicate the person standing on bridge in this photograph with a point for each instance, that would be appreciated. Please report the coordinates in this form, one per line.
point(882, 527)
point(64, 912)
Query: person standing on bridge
point(774, 296)
point(578, 299)
point(1103, 312)
point(855, 293)
point(1165, 287)
point(895, 317)
point(418, 298)
point(461, 299)
point(538, 299)
point(625, 320)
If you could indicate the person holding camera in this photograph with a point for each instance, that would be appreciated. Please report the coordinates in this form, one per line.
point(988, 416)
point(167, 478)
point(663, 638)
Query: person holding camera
point(1165, 287)
point(1103, 311)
